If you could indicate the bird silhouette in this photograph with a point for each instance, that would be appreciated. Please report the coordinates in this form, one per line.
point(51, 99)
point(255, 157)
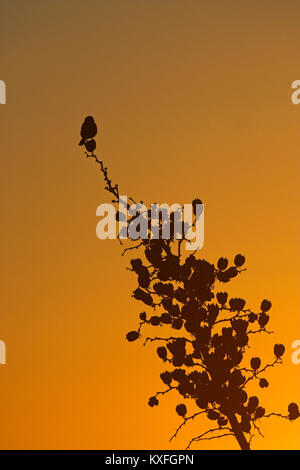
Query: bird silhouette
point(88, 130)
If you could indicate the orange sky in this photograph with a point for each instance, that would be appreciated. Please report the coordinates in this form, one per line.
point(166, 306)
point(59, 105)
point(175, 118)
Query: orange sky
point(193, 100)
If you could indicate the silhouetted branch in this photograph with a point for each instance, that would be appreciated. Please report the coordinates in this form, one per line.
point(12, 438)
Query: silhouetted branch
point(245, 314)
point(261, 330)
point(165, 339)
point(256, 373)
point(132, 248)
point(276, 414)
point(113, 189)
point(202, 438)
point(257, 429)
point(165, 391)
point(184, 422)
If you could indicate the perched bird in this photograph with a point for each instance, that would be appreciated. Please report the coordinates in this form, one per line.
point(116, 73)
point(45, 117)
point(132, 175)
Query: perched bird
point(88, 130)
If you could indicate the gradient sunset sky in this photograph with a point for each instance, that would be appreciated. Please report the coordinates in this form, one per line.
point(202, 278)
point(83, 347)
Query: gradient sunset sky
point(192, 99)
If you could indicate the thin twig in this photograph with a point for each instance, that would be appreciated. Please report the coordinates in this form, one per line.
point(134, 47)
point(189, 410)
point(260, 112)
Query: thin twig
point(171, 338)
point(184, 422)
point(202, 438)
point(255, 374)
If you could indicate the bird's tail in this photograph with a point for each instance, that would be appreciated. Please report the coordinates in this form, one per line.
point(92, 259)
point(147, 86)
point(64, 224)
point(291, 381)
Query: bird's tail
point(81, 142)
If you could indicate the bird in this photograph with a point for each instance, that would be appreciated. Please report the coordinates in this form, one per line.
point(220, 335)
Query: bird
point(88, 130)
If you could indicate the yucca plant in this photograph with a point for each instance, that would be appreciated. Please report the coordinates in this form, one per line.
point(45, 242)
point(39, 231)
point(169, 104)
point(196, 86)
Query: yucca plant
point(207, 333)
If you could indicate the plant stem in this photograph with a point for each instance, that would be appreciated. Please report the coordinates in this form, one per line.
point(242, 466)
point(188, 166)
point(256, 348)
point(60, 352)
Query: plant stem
point(240, 437)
